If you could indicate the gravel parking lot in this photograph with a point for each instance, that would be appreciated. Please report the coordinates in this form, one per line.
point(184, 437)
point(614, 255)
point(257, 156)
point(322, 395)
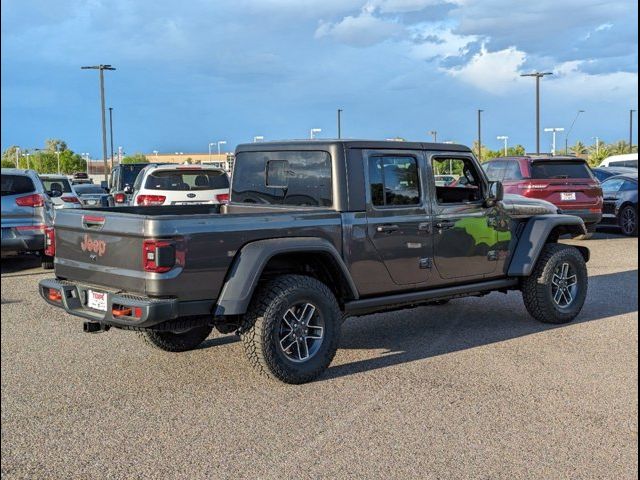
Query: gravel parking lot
point(472, 389)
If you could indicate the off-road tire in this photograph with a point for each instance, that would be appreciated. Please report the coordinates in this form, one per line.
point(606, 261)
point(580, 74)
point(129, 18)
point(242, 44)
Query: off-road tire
point(176, 341)
point(630, 210)
point(259, 332)
point(537, 288)
point(591, 230)
point(47, 262)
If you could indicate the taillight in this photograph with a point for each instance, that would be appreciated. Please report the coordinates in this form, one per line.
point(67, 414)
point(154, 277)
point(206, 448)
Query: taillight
point(70, 199)
point(223, 198)
point(119, 198)
point(126, 311)
point(150, 199)
point(533, 186)
point(54, 295)
point(158, 255)
point(34, 200)
point(49, 242)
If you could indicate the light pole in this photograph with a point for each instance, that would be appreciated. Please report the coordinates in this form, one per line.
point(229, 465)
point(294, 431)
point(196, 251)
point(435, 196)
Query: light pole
point(631, 112)
point(538, 76)
point(155, 153)
point(313, 131)
point(221, 142)
point(566, 137)
point(119, 155)
point(505, 139)
point(553, 131)
point(101, 68)
point(86, 159)
point(58, 155)
point(17, 157)
point(211, 144)
point(111, 133)
point(339, 124)
point(434, 134)
point(480, 135)
point(258, 138)
point(597, 139)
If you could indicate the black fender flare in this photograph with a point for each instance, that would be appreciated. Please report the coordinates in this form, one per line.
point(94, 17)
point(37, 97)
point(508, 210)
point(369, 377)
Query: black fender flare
point(534, 237)
point(249, 263)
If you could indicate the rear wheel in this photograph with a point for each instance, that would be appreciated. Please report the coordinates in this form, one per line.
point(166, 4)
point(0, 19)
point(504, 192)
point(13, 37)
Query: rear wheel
point(292, 329)
point(176, 341)
point(557, 288)
point(591, 230)
point(628, 221)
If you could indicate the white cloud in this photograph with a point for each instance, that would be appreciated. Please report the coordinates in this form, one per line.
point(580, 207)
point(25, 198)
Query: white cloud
point(360, 31)
point(432, 40)
point(570, 81)
point(495, 72)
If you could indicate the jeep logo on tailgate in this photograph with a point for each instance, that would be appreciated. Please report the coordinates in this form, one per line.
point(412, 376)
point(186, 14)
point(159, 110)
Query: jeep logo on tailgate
point(96, 246)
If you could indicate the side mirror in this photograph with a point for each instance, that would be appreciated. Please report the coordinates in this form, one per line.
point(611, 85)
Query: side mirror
point(495, 194)
point(128, 189)
point(104, 185)
point(55, 193)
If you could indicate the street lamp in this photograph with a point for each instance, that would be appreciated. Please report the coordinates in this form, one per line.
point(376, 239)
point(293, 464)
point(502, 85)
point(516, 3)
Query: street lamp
point(313, 131)
point(434, 134)
point(221, 142)
point(101, 68)
point(210, 145)
point(597, 139)
point(155, 152)
point(504, 138)
point(258, 138)
point(58, 155)
point(339, 123)
point(17, 157)
point(111, 133)
point(566, 137)
point(553, 131)
point(480, 135)
point(85, 156)
point(537, 76)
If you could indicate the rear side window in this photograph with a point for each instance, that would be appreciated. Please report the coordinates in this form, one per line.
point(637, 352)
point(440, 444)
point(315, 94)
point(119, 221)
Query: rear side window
point(129, 173)
point(16, 185)
point(394, 181)
point(186, 180)
point(296, 178)
point(560, 169)
point(629, 186)
point(495, 170)
point(624, 163)
point(512, 171)
point(62, 185)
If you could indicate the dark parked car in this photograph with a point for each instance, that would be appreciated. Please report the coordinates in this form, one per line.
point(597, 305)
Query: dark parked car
point(602, 173)
point(567, 182)
point(621, 203)
point(315, 231)
point(93, 195)
point(122, 179)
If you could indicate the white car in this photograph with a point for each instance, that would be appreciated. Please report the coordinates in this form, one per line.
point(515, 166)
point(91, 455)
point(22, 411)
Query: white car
point(59, 189)
point(625, 160)
point(180, 185)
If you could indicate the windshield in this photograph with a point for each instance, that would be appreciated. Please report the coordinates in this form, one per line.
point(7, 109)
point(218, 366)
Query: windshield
point(60, 184)
point(89, 189)
point(560, 169)
point(187, 180)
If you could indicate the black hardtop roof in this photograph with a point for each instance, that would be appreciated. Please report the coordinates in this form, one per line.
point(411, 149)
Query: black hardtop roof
point(371, 144)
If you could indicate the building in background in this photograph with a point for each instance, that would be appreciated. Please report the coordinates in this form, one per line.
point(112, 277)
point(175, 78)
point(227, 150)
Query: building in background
point(223, 160)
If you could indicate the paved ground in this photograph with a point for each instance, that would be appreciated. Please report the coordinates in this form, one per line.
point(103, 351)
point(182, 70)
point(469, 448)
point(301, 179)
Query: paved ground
point(474, 389)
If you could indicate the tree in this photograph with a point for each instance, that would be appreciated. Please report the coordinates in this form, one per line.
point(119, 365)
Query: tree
point(72, 162)
point(598, 152)
point(579, 148)
point(55, 144)
point(9, 156)
point(619, 148)
point(8, 163)
point(135, 158)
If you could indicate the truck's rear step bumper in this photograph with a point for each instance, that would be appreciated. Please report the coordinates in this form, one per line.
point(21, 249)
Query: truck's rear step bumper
point(148, 311)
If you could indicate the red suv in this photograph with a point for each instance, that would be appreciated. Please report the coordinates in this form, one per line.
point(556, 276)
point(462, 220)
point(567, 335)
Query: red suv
point(567, 182)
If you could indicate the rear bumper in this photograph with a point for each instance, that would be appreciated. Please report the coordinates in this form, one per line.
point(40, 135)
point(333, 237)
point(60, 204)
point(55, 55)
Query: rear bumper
point(153, 311)
point(17, 243)
point(587, 216)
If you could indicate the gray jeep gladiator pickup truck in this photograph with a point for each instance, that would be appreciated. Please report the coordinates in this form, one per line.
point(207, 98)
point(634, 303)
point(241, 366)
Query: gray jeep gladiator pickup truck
point(315, 231)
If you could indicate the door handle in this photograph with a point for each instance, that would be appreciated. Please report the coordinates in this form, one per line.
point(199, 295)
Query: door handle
point(386, 228)
point(445, 225)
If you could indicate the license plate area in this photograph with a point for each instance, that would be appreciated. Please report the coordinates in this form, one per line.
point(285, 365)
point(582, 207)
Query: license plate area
point(97, 300)
point(568, 196)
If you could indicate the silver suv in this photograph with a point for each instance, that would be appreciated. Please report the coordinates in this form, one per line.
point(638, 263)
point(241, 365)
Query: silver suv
point(27, 215)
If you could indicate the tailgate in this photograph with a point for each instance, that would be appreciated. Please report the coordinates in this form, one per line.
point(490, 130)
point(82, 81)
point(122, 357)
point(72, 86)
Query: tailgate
point(570, 193)
point(100, 248)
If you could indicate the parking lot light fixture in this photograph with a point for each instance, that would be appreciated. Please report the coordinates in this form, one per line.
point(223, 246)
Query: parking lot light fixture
point(211, 144)
point(17, 157)
point(553, 131)
point(258, 138)
point(537, 76)
point(434, 134)
point(505, 139)
point(313, 131)
point(221, 142)
point(566, 137)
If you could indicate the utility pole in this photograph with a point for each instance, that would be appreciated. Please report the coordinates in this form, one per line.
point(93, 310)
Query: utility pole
point(631, 112)
point(111, 133)
point(101, 68)
point(434, 134)
point(566, 137)
point(538, 76)
point(480, 135)
point(339, 125)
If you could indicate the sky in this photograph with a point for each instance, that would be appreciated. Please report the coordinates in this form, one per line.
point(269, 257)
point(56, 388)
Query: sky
point(194, 72)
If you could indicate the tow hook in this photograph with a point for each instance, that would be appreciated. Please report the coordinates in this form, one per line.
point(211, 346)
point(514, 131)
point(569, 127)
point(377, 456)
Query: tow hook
point(95, 327)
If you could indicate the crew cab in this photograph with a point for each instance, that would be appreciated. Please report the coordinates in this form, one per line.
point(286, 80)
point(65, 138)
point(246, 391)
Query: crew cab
point(315, 231)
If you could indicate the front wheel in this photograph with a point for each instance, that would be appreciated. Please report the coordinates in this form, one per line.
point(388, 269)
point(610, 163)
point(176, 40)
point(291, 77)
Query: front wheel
point(628, 221)
point(176, 341)
point(292, 329)
point(557, 288)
